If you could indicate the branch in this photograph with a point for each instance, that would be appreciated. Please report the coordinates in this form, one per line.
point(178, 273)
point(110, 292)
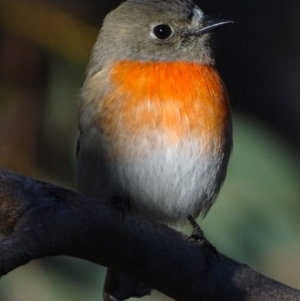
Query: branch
point(41, 219)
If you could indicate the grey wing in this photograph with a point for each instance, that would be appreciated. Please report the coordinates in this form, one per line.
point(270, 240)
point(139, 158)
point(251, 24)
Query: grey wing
point(93, 175)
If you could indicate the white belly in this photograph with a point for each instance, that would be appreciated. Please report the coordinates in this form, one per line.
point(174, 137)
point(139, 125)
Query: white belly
point(166, 184)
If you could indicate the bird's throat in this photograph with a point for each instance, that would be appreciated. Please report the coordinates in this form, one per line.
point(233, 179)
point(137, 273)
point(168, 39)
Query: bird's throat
point(179, 99)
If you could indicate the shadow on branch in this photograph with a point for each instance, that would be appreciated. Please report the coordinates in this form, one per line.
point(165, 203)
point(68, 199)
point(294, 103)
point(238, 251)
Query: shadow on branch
point(41, 219)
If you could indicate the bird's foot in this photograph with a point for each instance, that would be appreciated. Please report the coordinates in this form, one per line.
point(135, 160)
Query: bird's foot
point(121, 204)
point(198, 236)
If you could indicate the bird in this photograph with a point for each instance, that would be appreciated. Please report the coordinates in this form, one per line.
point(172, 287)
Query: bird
point(155, 124)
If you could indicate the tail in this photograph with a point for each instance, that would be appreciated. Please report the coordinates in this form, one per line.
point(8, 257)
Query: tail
point(119, 287)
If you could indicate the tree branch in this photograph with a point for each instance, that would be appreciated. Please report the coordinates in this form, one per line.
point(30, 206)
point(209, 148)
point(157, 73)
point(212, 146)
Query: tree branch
point(41, 219)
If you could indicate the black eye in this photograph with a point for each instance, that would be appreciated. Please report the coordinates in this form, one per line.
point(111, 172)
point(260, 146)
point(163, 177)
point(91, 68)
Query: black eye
point(162, 31)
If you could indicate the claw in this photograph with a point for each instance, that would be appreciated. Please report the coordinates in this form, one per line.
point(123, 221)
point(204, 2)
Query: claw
point(198, 236)
point(122, 204)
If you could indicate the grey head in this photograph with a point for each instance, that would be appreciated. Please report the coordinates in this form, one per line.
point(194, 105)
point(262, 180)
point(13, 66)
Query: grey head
point(154, 30)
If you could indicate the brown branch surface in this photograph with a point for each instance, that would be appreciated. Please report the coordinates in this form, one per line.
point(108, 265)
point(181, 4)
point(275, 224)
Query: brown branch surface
point(41, 219)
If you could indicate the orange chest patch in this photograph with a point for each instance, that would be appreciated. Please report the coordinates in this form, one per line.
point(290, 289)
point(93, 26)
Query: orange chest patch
point(176, 98)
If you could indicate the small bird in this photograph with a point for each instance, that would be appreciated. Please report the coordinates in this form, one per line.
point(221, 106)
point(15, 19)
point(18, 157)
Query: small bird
point(154, 119)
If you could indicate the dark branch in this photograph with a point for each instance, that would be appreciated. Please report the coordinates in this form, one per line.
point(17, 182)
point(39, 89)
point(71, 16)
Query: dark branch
point(41, 219)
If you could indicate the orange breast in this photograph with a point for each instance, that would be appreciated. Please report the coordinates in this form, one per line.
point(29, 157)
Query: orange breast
point(176, 98)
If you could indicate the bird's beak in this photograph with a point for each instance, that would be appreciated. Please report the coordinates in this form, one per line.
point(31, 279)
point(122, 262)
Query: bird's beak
point(211, 25)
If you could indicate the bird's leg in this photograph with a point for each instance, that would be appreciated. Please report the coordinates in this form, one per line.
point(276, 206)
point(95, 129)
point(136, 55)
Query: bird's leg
point(123, 204)
point(198, 235)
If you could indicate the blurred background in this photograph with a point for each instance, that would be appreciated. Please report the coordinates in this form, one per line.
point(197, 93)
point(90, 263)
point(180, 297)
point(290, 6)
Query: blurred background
point(44, 48)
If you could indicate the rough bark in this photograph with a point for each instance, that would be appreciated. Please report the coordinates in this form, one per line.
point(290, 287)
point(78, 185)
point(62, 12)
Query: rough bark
point(41, 219)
